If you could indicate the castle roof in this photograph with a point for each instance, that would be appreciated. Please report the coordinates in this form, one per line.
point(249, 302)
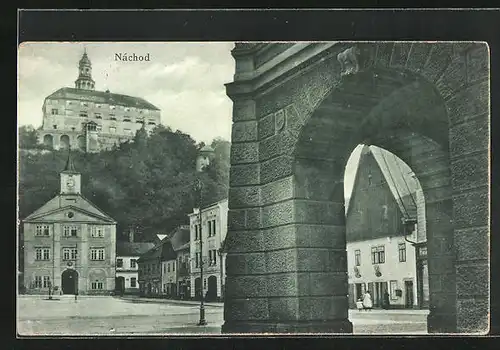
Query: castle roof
point(102, 97)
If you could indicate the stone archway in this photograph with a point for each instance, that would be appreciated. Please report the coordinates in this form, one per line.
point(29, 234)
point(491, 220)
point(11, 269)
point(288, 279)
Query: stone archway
point(69, 281)
point(64, 142)
point(48, 141)
point(82, 143)
point(293, 132)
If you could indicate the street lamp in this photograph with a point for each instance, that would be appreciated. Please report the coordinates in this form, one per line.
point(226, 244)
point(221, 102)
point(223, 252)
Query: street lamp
point(199, 188)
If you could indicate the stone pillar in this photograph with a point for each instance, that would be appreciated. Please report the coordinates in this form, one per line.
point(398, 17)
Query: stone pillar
point(469, 152)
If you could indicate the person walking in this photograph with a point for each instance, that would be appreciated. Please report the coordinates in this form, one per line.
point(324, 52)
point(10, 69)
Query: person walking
point(367, 301)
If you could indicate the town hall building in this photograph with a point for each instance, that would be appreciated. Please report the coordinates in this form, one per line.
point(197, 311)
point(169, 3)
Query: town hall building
point(89, 120)
point(69, 243)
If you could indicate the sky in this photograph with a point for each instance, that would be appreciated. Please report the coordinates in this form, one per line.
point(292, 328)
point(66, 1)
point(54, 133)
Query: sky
point(185, 80)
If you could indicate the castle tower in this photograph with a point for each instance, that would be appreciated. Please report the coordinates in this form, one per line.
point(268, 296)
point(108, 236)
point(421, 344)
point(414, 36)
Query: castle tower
point(204, 157)
point(70, 178)
point(85, 81)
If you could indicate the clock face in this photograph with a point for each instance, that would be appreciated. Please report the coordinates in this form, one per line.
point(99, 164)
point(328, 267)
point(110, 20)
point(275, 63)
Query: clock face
point(70, 183)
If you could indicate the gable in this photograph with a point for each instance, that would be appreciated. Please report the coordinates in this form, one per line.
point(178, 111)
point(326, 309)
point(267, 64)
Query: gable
point(69, 214)
point(66, 202)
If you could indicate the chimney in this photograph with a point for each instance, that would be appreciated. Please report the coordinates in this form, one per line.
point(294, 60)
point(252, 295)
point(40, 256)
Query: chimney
point(131, 235)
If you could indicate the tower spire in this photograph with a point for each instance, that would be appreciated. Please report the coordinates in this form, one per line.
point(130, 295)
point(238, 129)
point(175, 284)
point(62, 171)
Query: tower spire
point(85, 81)
point(70, 166)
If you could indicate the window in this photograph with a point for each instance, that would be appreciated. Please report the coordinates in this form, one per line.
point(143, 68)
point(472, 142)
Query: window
point(196, 233)
point(173, 266)
point(42, 253)
point(393, 286)
point(70, 253)
point(97, 231)
point(168, 267)
point(212, 254)
point(112, 107)
point(98, 105)
point(378, 255)
point(197, 260)
point(46, 281)
point(112, 129)
point(133, 263)
point(127, 131)
point(112, 117)
point(133, 282)
point(213, 228)
point(83, 115)
point(97, 285)
point(126, 119)
point(97, 254)
point(119, 262)
point(98, 115)
point(69, 112)
point(38, 281)
point(357, 257)
point(55, 111)
point(54, 126)
point(402, 252)
point(151, 123)
point(70, 231)
point(42, 230)
point(85, 104)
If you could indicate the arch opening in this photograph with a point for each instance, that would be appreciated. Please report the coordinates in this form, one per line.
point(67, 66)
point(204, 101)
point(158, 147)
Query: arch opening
point(69, 281)
point(403, 115)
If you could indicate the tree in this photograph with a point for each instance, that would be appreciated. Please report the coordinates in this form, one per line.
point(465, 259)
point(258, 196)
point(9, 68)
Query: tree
point(28, 138)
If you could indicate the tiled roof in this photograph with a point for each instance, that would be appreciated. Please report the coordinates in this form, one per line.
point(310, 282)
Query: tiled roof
point(163, 251)
point(132, 248)
point(102, 97)
point(180, 237)
point(397, 176)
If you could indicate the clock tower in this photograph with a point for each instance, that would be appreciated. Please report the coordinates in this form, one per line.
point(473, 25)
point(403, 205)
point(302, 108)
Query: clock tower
point(70, 178)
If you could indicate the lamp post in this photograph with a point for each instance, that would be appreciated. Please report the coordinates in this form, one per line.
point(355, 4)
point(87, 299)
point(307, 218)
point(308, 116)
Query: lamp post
point(199, 188)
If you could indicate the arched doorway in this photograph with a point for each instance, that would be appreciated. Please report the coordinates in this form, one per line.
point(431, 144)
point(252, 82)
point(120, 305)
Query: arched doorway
point(294, 137)
point(48, 141)
point(212, 288)
point(197, 288)
point(64, 142)
point(120, 285)
point(69, 281)
point(81, 142)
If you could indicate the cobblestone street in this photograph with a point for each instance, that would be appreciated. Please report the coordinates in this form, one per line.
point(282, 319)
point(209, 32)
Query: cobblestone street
point(115, 316)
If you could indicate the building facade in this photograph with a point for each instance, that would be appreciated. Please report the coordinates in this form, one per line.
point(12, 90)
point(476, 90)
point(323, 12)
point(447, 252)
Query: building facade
point(381, 253)
point(69, 243)
point(91, 120)
point(213, 234)
point(127, 269)
point(151, 268)
point(184, 271)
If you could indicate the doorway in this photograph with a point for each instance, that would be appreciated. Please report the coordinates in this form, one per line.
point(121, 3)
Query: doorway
point(409, 294)
point(212, 288)
point(120, 285)
point(197, 288)
point(69, 281)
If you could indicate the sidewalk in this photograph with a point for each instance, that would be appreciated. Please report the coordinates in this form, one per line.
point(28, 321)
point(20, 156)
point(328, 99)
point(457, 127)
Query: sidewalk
point(137, 299)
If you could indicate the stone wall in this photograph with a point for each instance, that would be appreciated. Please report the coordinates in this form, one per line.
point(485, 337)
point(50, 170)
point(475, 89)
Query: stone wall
point(294, 126)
